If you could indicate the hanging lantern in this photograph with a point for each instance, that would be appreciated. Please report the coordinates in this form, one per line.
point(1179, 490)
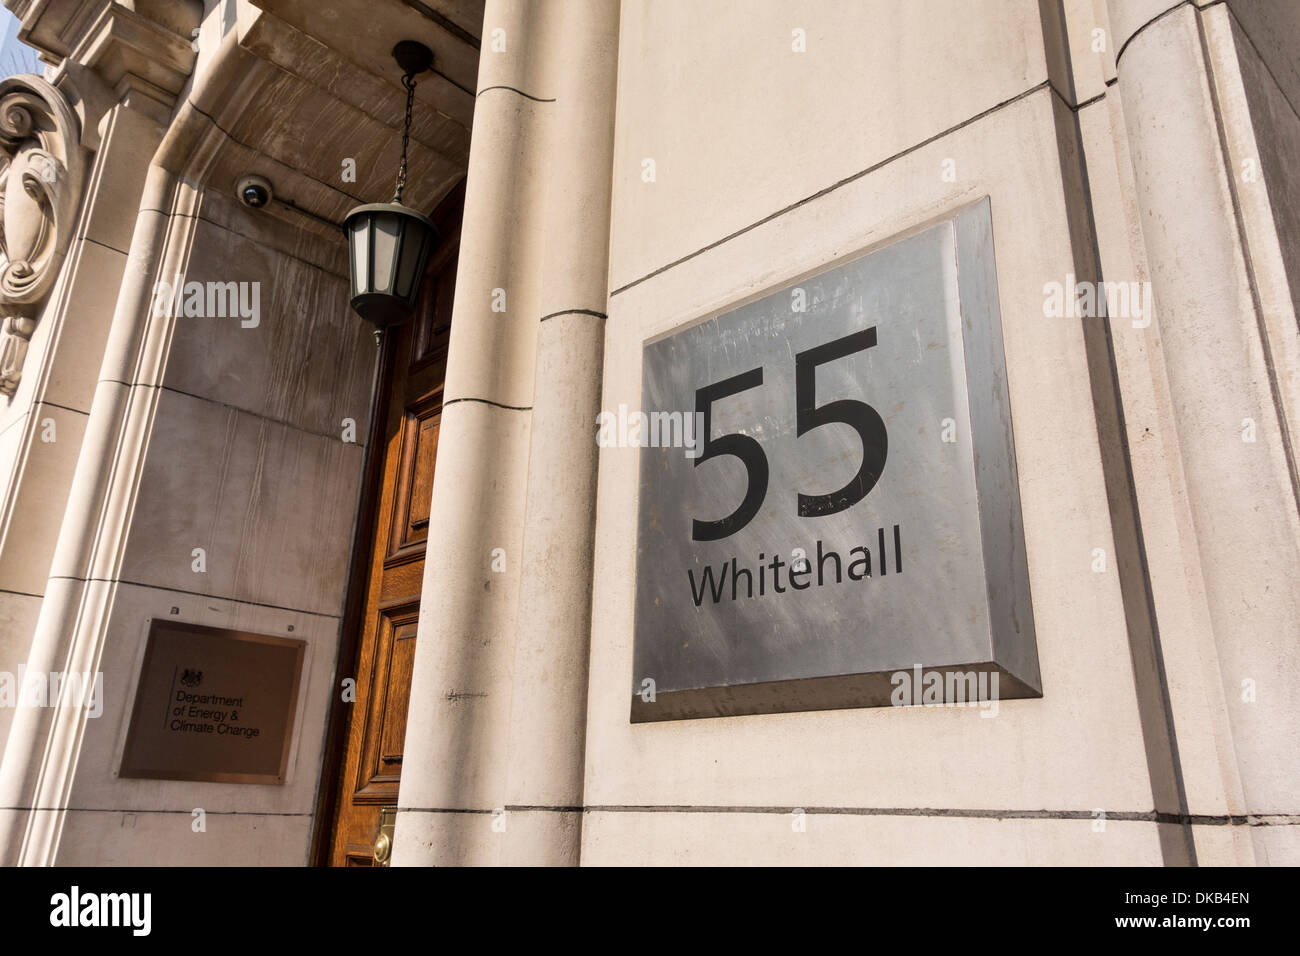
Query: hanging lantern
point(388, 243)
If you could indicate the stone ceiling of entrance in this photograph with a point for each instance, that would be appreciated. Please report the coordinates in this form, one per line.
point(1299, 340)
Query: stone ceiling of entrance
point(335, 94)
point(364, 33)
point(303, 92)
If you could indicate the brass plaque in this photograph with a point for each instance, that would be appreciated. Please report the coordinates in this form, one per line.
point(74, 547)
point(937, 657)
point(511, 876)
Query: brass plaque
point(213, 704)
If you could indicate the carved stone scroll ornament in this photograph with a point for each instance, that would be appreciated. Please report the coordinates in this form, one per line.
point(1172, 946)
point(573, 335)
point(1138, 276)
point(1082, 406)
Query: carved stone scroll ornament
point(42, 166)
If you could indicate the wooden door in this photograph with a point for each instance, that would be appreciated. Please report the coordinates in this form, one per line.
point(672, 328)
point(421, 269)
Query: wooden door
point(389, 563)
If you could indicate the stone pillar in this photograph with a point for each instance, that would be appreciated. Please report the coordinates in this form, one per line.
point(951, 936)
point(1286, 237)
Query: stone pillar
point(1216, 358)
point(40, 754)
point(119, 72)
point(548, 715)
point(494, 763)
point(42, 400)
point(454, 768)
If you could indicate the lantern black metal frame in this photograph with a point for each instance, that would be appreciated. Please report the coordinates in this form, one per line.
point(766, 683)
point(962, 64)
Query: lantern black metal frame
point(389, 243)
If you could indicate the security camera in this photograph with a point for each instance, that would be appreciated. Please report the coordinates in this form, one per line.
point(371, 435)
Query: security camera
point(254, 191)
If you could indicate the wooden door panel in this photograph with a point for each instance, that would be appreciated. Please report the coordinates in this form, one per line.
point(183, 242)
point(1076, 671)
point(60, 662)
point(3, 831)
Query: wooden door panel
point(410, 525)
point(433, 324)
point(380, 766)
point(392, 731)
point(355, 854)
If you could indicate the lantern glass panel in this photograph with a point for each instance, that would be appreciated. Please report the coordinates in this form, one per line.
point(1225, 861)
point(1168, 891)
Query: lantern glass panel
point(360, 239)
point(388, 230)
point(408, 270)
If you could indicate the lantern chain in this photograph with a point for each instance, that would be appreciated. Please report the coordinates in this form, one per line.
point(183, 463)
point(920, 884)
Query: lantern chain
point(408, 81)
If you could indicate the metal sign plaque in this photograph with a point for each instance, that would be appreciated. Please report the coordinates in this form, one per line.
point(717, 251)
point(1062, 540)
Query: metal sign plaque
point(841, 515)
point(213, 704)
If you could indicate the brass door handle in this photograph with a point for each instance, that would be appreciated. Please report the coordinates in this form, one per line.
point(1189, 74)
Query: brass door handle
point(384, 842)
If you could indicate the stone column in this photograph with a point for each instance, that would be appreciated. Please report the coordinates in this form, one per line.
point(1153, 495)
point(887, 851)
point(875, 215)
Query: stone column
point(494, 757)
point(548, 715)
point(40, 755)
point(120, 73)
point(454, 767)
point(1224, 590)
